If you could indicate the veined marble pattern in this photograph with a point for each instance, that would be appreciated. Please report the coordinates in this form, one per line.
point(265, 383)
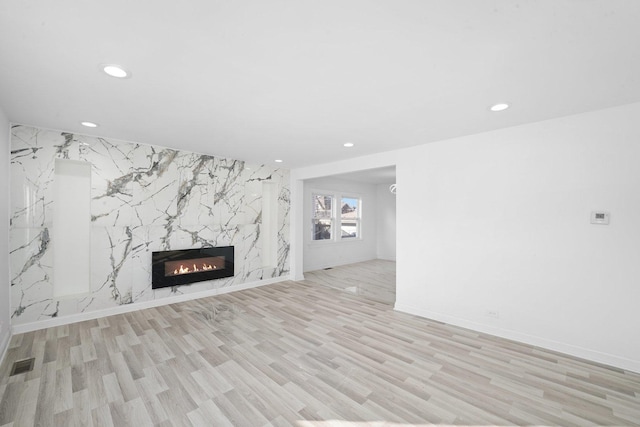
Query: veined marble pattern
point(144, 199)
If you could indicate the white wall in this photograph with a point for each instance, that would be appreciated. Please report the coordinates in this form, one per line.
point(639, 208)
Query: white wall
point(386, 223)
point(500, 222)
point(323, 254)
point(5, 282)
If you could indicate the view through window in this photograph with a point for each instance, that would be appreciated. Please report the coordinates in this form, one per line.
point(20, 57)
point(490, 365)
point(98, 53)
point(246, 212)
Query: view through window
point(350, 217)
point(322, 216)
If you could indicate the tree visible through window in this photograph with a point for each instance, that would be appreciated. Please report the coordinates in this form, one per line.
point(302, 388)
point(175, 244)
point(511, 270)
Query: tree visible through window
point(322, 216)
point(350, 217)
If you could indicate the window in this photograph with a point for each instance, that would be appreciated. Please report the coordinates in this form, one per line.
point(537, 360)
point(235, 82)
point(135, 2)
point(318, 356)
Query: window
point(350, 218)
point(322, 216)
point(335, 217)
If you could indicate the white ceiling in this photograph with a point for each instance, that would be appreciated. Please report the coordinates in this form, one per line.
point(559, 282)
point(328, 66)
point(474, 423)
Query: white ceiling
point(295, 79)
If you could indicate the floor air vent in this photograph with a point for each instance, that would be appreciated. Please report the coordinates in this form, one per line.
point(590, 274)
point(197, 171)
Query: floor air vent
point(22, 366)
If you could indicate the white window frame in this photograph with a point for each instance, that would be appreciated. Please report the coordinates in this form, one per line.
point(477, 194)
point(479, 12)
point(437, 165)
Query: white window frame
point(335, 217)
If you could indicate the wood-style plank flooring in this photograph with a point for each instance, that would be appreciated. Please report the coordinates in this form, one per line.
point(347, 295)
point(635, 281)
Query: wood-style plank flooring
point(374, 279)
point(299, 354)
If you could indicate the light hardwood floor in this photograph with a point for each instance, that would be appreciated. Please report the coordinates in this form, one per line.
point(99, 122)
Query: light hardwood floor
point(301, 354)
point(374, 279)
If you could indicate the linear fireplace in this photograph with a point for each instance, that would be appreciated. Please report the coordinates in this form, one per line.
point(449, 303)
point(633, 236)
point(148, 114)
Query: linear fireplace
point(172, 268)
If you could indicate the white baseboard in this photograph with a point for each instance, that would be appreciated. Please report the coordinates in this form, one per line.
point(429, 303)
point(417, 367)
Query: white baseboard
point(323, 265)
point(576, 351)
point(65, 320)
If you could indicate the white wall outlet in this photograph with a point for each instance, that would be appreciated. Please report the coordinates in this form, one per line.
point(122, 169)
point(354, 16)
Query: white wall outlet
point(493, 313)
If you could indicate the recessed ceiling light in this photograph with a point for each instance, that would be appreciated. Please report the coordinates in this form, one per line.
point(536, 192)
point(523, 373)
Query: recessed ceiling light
point(499, 107)
point(278, 161)
point(348, 144)
point(89, 124)
point(115, 71)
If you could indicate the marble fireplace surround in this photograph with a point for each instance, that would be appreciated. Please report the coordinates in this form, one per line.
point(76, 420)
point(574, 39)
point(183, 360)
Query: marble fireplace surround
point(144, 198)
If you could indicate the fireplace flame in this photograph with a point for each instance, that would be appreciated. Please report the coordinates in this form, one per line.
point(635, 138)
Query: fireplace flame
point(193, 269)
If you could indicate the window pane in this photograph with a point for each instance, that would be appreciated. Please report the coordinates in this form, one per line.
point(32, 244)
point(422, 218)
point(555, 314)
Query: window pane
point(349, 208)
point(349, 228)
point(322, 206)
point(321, 229)
point(350, 214)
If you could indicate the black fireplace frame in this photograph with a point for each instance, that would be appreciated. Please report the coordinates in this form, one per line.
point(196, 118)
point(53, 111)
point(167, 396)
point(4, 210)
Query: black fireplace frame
point(160, 280)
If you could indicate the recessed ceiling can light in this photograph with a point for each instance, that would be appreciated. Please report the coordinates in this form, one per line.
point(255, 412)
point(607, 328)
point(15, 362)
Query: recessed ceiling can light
point(348, 144)
point(499, 107)
point(89, 124)
point(115, 71)
point(278, 161)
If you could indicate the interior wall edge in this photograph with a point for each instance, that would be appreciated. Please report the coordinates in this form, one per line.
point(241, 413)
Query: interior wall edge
point(5, 281)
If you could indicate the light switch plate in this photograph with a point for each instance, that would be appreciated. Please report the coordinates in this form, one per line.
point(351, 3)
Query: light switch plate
point(600, 217)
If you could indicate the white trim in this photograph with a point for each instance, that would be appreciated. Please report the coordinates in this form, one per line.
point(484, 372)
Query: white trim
point(320, 265)
point(65, 320)
point(581, 352)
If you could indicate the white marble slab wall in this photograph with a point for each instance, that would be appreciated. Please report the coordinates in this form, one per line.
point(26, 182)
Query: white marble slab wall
point(144, 198)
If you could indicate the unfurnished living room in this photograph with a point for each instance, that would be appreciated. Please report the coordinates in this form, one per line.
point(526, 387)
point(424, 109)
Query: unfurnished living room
point(320, 213)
